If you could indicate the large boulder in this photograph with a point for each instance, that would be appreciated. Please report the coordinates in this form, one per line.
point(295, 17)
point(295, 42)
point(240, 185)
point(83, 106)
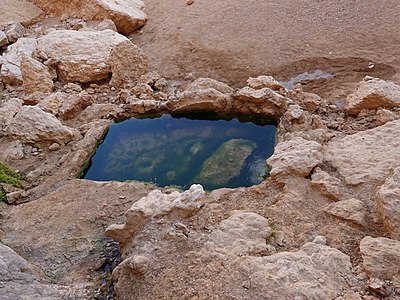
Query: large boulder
point(19, 11)
point(127, 63)
point(373, 93)
point(32, 125)
point(10, 71)
point(80, 56)
point(388, 202)
point(128, 15)
point(36, 76)
point(366, 156)
point(295, 157)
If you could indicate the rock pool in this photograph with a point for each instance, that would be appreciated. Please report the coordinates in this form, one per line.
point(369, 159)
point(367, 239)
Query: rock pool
point(182, 151)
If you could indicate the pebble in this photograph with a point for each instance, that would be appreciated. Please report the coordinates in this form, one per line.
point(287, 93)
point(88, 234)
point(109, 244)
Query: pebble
point(189, 2)
point(54, 147)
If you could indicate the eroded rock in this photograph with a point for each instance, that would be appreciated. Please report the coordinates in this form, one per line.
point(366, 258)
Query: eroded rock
point(388, 202)
point(20, 11)
point(381, 258)
point(295, 157)
point(128, 15)
point(243, 233)
point(8, 108)
point(127, 63)
point(35, 76)
point(74, 104)
point(328, 185)
point(80, 56)
point(33, 125)
point(11, 61)
point(366, 156)
point(156, 204)
point(263, 101)
point(20, 282)
point(352, 210)
point(263, 81)
point(373, 93)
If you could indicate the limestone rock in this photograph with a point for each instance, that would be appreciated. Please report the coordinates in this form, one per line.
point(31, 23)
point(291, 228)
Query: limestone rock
point(99, 111)
point(52, 102)
point(19, 280)
point(15, 31)
point(33, 125)
point(373, 93)
point(384, 115)
point(388, 202)
point(308, 101)
point(20, 11)
point(80, 56)
point(156, 204)
point(74, 104)
point(243, 233)
point(127, 63)
point(134, 265)
point(8, 108)
point(352, 210)
point(294, 114)
point(199, 100)
point(3, 39)
point(208, 83)
point(328, 185)
point(36, 76)
point(106, 24)
point(263, 101)
point(11, 66)
point(225, 163)
point(367, 155)
point(128, 15)
point(295, 157)
point(261, 82)
point(314, 272)
point(381, 258)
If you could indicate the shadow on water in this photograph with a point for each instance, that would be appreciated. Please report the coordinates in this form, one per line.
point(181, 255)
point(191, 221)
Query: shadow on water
point(213, 150)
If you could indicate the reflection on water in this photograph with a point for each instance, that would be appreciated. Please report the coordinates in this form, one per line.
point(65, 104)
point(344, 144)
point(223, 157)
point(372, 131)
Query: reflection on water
point(180, 151)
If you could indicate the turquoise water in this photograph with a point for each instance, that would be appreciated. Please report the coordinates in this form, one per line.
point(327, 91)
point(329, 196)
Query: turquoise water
point(181, 151)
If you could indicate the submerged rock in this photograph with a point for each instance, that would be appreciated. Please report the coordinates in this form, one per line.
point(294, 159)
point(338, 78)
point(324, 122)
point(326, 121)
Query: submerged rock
point(226, 163)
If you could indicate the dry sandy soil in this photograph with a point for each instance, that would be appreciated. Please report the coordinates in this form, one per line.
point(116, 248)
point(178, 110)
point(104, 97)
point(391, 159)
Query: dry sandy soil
point(232, 40)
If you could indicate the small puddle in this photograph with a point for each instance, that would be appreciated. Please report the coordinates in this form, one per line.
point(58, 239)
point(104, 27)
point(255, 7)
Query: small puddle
point(182, 151)
point(317, 74)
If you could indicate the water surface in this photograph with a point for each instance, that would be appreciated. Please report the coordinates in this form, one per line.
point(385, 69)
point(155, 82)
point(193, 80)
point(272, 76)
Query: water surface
point(182, 151)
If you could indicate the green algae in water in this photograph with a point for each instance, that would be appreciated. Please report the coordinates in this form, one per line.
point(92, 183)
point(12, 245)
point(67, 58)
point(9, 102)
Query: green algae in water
point(180, 152)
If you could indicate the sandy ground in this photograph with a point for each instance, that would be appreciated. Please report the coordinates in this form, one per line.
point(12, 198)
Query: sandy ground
point(231, 40)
